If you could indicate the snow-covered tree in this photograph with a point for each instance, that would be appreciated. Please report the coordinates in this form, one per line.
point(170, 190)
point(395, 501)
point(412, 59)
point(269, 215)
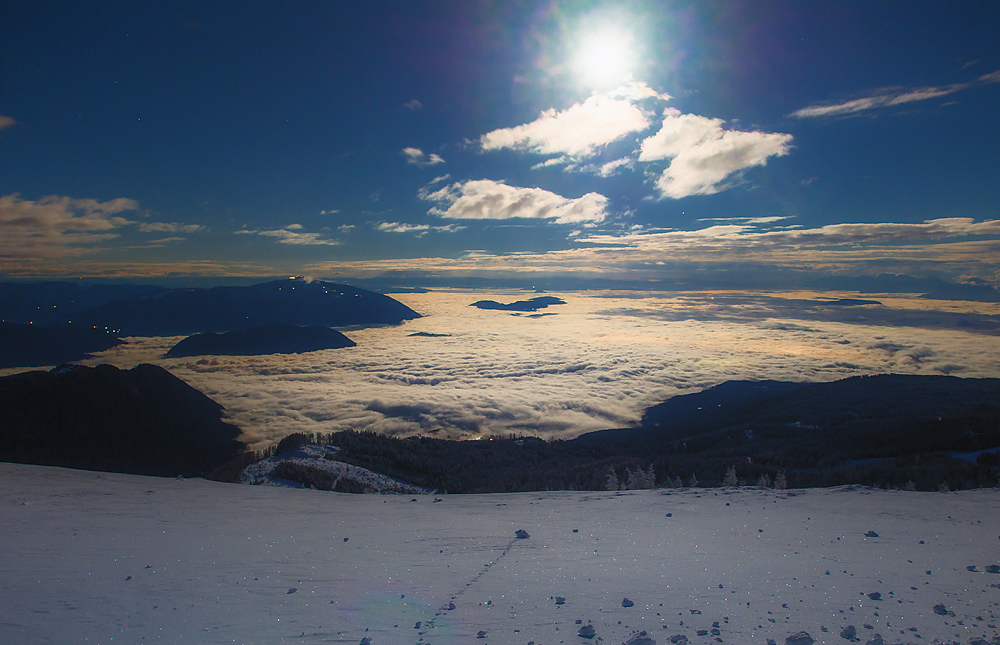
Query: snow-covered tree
point(780, 482)
point(611, 482)
point(730, 478)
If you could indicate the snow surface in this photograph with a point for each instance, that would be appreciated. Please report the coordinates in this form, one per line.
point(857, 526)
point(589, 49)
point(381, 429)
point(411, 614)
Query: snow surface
point(91, 557)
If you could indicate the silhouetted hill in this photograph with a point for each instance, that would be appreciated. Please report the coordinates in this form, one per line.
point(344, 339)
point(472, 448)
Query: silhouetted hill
point(266, 339)
point(31, 345)
point(533, 304)
point(289, 302)
point(55, 303)
point(887, 430)
point(143, 420)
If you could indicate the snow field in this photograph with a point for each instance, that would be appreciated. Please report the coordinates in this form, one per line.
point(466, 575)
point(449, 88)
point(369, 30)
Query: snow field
point(103, 558)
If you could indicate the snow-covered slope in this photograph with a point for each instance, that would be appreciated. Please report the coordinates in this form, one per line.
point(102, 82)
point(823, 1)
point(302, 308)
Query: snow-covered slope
point(101, 558)
point(323, 458)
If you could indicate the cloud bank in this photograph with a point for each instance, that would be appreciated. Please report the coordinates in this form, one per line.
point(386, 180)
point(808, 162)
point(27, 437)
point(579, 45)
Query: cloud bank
point(56, 226)
point(598, 363)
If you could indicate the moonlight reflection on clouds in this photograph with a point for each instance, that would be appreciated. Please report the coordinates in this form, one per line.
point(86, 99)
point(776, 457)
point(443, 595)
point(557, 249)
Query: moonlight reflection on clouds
point(598, 364)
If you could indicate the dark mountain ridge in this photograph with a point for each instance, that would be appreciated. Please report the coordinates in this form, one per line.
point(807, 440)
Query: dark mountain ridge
point(219, 309)
point(266, 339)
point(886, 430)
point(32, 345)
point(143, 420)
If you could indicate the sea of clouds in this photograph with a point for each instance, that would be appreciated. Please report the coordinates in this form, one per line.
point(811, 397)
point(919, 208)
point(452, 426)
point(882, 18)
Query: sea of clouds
point(595, 362)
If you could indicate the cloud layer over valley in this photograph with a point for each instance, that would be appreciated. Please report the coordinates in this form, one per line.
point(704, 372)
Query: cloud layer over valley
point(596, 362)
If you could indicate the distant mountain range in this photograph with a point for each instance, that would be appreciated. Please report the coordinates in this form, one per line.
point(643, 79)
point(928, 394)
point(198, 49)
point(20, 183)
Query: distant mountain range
point(266, 339)
point(288, 302)
point(80, 319)
point(143, 420)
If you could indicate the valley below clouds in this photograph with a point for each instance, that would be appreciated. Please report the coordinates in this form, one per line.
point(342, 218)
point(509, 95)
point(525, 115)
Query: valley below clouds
point(597, 363)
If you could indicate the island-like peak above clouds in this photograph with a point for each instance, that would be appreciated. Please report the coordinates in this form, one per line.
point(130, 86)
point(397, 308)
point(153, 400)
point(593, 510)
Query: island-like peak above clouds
point(534, 304)
point(289, 302)
point(266, 339)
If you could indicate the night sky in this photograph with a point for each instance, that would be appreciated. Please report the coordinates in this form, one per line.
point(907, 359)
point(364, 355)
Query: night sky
point(635, 141)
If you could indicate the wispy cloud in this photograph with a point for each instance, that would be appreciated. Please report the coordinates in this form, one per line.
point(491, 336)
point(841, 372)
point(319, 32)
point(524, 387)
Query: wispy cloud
point(419, 229)
point(292, 234)
point(892, 96)
point(169, 227)
point(703, 155)
point(6, 122)
point(485, 199)
point(413, 104)
point(57, 226)
point(417, 157)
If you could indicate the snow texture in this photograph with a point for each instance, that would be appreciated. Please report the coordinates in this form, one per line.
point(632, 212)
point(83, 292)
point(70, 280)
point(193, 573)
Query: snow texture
point(101, 558)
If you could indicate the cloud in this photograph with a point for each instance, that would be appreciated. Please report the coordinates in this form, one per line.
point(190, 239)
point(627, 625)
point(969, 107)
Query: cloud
point(169, 227)
point(608, 169)
point(6, 122)
point(420, 229)
point(703, 155)
point(417, 157)
point(291, 235)
point(332, 211)
point(494, 200)
point(580, 130)
point(413, 104)
point(56, 226)
point(735, 252)
point(891, 97)
point(607, 356)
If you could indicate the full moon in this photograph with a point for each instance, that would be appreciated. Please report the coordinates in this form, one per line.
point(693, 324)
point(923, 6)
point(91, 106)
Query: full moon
point(604, 58)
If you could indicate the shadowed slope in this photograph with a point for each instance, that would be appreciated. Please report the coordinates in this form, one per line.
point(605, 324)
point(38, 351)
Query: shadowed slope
point(143, 420)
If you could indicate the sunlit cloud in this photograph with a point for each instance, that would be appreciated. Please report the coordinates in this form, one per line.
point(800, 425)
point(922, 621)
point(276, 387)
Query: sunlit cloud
point(6, 121)
point(493, 200)
point(580, 130)
point(419, 229)
point(291, 235)
point(332, 211)
point(57, 226)
point(703, 155)
point(891, 97)
point(417, 157)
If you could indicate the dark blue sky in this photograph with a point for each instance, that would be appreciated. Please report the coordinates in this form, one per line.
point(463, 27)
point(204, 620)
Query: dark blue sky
point(643, 140)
